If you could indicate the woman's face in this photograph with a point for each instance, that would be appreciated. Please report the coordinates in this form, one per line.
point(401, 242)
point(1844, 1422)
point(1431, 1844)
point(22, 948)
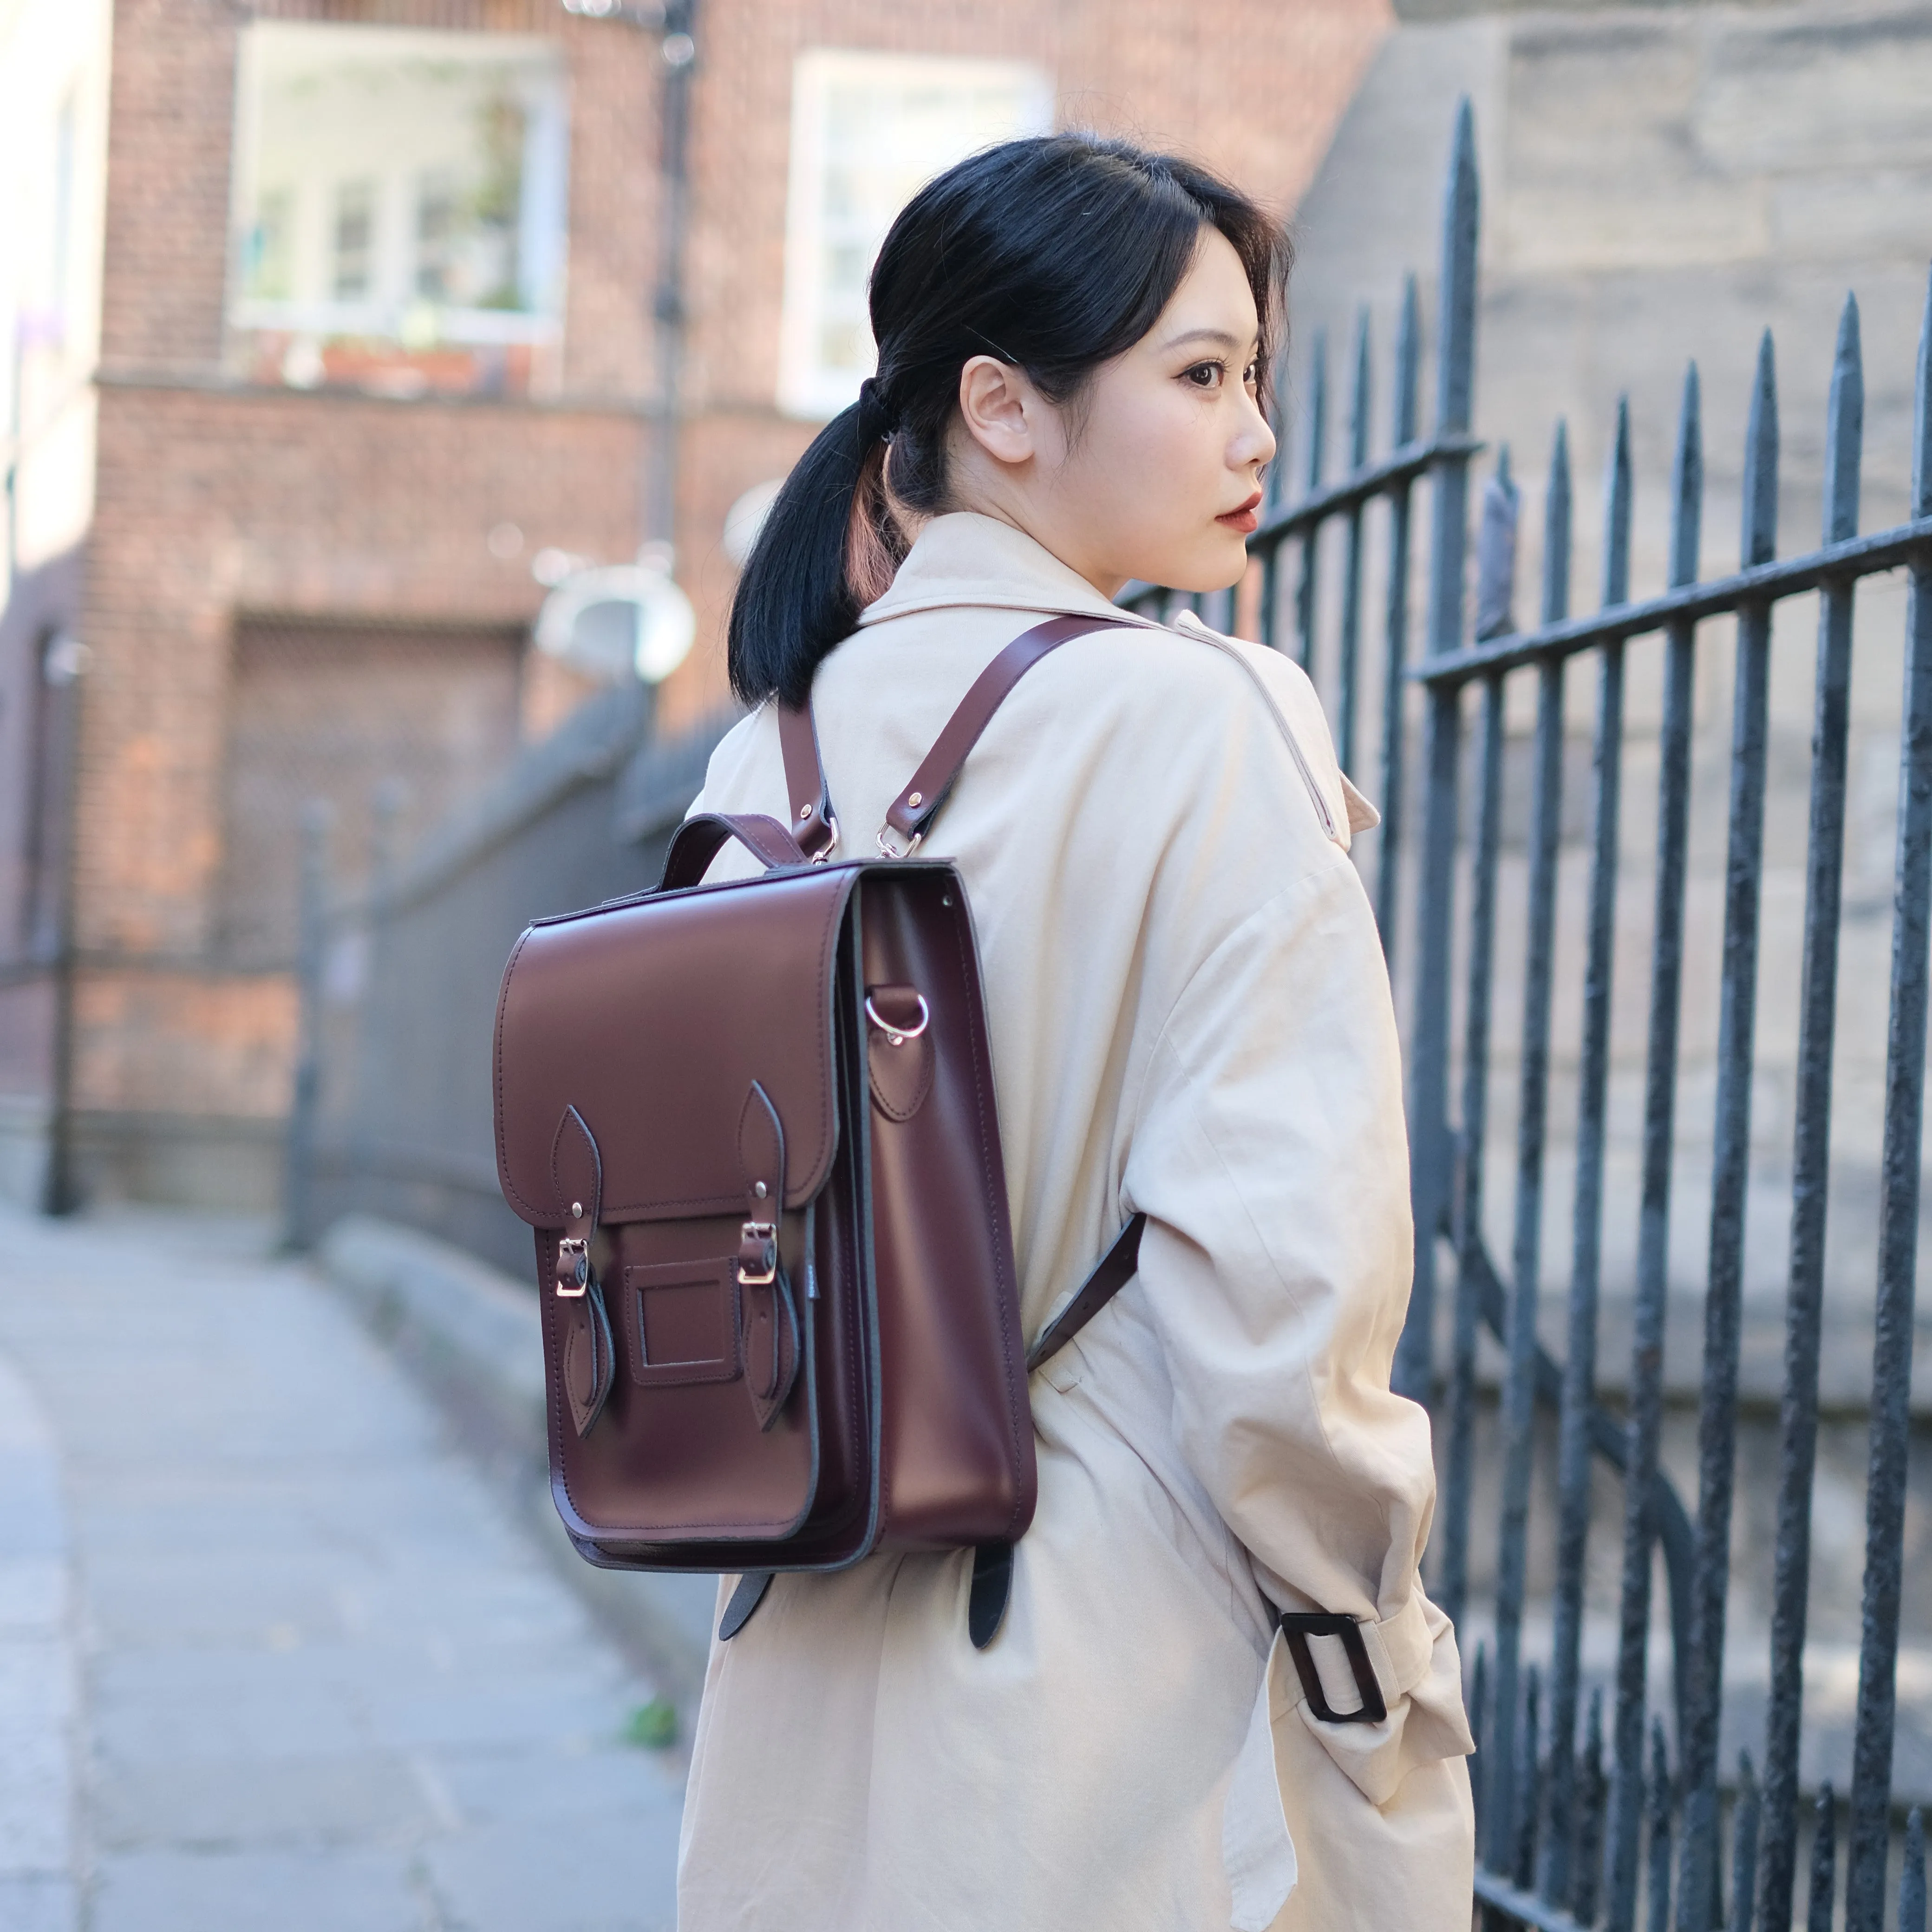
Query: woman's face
point(1154, 472)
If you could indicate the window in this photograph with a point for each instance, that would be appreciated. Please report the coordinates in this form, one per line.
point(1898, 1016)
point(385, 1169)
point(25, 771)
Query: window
point(868, 129)
point(351, 279)
point(399, 205)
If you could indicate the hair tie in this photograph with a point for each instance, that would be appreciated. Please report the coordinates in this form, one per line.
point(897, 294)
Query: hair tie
point(876, 417)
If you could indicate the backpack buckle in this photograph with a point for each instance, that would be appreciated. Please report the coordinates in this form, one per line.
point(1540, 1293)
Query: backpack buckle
point(573, 1268)
point(757, 1254)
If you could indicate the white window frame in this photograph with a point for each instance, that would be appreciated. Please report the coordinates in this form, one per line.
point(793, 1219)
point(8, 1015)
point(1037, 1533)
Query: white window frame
point(392, 307)
point(807, 386)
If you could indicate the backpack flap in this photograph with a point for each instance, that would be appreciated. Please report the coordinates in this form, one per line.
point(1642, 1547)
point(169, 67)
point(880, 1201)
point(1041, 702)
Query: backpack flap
point(653, 1020)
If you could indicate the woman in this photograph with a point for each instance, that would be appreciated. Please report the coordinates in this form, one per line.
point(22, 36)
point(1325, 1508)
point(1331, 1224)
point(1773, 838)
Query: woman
point(1190, 1020)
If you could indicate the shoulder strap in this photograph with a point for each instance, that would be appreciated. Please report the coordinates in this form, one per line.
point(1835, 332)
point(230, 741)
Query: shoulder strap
point(1112, 1273)
point(812, 822)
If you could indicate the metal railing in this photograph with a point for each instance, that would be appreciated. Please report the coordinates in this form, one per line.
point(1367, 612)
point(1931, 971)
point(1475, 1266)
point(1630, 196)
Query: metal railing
point(1581, 1832)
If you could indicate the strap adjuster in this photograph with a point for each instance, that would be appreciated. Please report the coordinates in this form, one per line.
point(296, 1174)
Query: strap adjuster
point(1298, 1627)
point(758, 1254)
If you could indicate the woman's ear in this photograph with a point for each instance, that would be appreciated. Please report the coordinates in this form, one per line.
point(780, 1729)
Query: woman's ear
point(1001, 409)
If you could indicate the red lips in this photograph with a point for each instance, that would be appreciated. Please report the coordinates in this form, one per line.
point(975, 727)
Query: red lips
point(1243, 520)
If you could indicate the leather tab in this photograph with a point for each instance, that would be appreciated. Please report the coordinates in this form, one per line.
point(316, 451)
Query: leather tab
point(589, 1360)
point(745, 1600)
point(769, 1346)
point(761, 1155)
point(812, 823)
point(577, 1173)
point(769, 1338)
point(899, 1050)
point(992, 1586)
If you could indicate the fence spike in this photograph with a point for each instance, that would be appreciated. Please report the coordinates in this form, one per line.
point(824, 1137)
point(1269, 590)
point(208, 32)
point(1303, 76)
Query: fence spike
point(1810, 1170)
point(1617, 513)
point(1408, 363)
point(1687, 483)
point(1869, 1834)
point(1824, 1862)
point(1556, 530)
point(1759, 543)
point(1701, 1672)
point(1844, 429)
point(1646, 1382)
point(1456, 339)
point(1912, 1875)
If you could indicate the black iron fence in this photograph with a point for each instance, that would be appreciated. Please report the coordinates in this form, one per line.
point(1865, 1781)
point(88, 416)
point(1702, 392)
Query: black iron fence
point(1586, 1817)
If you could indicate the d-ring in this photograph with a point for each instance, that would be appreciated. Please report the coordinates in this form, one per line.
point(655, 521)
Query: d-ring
point(898, 1036)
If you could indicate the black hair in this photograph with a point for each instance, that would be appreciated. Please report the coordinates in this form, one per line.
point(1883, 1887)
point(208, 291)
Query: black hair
point(1055, 253)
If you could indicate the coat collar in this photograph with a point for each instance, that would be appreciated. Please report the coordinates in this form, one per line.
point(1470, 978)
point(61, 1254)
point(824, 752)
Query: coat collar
point(965, 558)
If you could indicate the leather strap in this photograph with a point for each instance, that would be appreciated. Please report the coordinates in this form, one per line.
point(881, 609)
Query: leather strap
point(744, 1599)
point(1112, 1273)
point(915, 807)
point(700, 838)
point(812, 823)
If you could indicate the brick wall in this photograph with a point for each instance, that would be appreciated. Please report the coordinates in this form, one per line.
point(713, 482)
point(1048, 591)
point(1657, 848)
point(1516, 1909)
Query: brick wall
point(219, 504)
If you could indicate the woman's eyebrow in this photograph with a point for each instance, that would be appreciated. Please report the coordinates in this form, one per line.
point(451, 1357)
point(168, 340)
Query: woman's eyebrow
point(1220, 335)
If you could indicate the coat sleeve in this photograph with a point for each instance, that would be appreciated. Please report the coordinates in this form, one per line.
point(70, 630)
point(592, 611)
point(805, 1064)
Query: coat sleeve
point(1268, 1152)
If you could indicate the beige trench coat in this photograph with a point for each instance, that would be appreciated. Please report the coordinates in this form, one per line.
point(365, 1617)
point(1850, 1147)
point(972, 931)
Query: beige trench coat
point(1190, 1019)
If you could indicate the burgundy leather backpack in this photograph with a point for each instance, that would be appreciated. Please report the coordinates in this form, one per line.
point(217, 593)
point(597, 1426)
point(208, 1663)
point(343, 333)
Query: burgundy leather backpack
point(752, 1124)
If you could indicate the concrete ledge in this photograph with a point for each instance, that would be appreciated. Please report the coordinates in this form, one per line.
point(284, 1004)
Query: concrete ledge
point(469, 1335)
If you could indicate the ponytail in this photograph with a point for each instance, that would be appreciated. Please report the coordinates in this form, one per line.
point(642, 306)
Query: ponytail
point(827, 547)
point(1057, 253)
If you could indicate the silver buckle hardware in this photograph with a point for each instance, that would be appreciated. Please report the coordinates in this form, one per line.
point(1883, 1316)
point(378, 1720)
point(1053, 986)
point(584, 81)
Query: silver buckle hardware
point(757, 1250)
point(889, 852)
point(896, 1035)
point(573, 1264)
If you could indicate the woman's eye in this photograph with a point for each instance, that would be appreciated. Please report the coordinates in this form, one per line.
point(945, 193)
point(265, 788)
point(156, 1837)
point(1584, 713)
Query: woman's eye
point(1205, 375)
point(1251, 375)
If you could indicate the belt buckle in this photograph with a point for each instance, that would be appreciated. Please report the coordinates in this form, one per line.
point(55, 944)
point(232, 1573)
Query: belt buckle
point(573, 1264)
point(1298, 1626)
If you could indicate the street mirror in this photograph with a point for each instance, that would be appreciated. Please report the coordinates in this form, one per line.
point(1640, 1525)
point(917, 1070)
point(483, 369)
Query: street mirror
point(618, 621)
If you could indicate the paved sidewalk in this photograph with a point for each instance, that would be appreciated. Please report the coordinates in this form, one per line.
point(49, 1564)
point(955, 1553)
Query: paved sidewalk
point(324, 1680)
